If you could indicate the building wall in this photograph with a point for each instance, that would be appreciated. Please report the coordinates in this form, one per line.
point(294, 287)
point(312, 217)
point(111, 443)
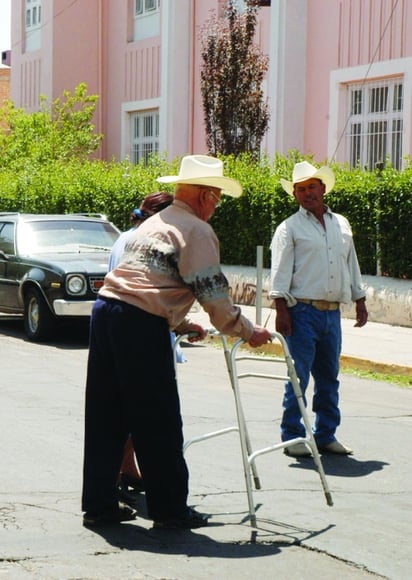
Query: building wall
point(285, 43)
point(365, 39)
point(316, 47)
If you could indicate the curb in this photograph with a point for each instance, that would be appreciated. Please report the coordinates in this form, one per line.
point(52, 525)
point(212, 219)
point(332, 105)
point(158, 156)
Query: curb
point(374, 366)
point(347, 361)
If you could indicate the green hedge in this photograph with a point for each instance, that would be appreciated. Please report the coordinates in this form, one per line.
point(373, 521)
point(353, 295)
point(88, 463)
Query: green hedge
point(378, 205)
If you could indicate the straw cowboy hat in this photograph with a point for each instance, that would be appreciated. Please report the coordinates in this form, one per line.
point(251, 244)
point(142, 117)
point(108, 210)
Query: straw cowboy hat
point(204, 170)
point(304, 171)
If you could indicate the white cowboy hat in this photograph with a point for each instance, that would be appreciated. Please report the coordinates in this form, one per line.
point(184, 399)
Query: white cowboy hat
point(204, 170)
point(304, 171)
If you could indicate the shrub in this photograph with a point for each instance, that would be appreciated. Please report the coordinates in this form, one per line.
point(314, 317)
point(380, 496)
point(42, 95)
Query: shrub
point(378, 205)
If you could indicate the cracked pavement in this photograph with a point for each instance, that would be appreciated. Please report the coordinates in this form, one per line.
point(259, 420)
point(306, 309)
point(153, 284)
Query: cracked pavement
point(364, 535)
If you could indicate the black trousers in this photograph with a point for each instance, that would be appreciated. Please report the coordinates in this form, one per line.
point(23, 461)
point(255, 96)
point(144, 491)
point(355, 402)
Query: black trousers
point(131, 388)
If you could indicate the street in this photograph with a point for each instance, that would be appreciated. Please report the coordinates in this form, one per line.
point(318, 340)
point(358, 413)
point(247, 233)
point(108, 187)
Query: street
point(366, 534)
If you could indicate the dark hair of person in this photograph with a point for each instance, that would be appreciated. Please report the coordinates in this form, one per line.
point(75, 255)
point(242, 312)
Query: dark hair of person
point(151, 204)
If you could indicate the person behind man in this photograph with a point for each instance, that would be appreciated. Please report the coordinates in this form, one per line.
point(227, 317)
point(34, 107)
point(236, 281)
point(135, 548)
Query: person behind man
point(314, 269)
point(151, 204)
point(170, 260)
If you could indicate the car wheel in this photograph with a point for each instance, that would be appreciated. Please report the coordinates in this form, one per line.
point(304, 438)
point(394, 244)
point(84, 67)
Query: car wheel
point(38, 320)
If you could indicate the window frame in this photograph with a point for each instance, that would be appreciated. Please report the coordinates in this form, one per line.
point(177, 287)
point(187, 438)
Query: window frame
point(33, 7)
point(338, 112)
point(143, 9)
point(374, 130)
point(144, 143)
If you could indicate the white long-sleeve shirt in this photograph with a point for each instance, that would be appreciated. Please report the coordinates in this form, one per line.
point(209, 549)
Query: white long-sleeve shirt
point(312, 262)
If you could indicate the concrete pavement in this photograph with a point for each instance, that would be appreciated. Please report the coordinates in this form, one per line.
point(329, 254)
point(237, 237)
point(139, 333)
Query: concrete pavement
point(365, 534)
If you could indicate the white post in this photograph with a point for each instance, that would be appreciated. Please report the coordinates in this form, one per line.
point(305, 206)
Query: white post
point(259, 283)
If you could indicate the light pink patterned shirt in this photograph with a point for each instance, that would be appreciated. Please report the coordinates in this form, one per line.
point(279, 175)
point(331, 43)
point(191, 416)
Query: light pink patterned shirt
point(171, 260)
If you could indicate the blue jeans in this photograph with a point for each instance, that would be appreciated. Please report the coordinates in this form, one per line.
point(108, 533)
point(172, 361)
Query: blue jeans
point(315, 346)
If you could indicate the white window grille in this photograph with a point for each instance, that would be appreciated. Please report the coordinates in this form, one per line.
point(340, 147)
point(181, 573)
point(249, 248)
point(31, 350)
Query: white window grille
point(144, 6)
point(33, 14)
point(144, 135)
point(375, 127)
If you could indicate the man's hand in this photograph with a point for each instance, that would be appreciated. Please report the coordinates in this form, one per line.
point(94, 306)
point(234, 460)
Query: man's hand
point(260, 336)
point(283, 322)
point(195, 332)
point(361, 313)
point(283, 319)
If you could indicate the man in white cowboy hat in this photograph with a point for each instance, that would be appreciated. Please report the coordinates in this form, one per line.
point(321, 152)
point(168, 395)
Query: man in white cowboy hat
point(314, 269)
point(169, 261)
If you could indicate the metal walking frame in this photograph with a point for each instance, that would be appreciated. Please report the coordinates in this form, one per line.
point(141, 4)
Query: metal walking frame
point(212, 434)
point(248, 455)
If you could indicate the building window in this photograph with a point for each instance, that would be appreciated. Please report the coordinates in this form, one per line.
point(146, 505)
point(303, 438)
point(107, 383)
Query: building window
point(144, 135)
point(146, 19)
point(33, 14)
point(375, 127)
point(145, 6)
point(33, 25)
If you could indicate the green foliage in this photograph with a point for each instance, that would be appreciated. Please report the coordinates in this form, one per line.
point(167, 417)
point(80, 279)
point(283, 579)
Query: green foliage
point(233, 68)
point(404, 381)
point(61, 130)
point(378, 205)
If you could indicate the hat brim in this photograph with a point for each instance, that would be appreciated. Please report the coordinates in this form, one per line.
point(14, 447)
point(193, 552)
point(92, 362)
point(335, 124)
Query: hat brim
point(226, 184)
point(325, 174)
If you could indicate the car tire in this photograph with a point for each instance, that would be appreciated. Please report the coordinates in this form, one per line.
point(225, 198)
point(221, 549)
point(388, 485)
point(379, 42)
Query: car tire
point(38, 320)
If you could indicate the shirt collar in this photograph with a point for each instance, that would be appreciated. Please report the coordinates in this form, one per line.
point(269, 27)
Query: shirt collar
point(183, 205)
point(309, 214)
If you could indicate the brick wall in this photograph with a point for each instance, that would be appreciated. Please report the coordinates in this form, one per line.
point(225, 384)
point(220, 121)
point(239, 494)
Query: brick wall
point(5, 88)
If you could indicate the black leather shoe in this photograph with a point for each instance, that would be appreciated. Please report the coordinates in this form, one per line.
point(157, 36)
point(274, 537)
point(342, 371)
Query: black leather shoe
point(124, 513)
point(192, 519)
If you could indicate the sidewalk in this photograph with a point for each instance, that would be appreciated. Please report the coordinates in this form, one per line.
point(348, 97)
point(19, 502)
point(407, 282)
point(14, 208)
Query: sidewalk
point(376, 347)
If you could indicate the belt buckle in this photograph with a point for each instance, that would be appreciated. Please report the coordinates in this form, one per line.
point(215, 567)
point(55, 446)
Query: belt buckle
point(321, 305)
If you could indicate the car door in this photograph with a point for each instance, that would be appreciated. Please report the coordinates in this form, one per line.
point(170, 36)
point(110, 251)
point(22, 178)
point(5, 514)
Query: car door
point(8, 283)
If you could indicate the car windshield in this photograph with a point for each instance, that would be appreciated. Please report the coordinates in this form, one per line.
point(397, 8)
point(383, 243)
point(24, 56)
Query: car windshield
point(41, 237)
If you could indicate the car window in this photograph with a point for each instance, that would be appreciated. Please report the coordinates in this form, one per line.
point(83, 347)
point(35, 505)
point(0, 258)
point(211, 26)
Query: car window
point(37, 237)
point(7, 237)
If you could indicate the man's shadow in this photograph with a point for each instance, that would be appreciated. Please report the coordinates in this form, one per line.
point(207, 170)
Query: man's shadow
point(341, 465)
point(274, 536)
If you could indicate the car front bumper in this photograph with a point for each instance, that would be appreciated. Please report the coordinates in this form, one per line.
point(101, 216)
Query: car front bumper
point(73, 307)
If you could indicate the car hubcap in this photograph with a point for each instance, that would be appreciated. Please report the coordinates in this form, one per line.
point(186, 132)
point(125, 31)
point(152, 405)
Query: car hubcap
point(33, 315)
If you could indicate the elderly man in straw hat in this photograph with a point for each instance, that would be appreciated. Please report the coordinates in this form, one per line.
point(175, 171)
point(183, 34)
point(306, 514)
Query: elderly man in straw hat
point(314, 269)
point(171, 260)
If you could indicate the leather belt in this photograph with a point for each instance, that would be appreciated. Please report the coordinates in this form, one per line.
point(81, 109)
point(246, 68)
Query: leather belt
point(320, 304)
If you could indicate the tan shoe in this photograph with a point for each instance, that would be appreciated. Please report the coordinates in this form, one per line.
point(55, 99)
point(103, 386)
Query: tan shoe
point(297, 450)
point(336, 448)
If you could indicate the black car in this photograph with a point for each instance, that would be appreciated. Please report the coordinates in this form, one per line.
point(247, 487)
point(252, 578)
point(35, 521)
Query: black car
point(52, 267)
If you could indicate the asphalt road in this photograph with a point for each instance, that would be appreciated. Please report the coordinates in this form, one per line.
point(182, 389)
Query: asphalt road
point(366, 534)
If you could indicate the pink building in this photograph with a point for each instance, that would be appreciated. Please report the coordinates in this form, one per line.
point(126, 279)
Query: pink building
point(339, 84)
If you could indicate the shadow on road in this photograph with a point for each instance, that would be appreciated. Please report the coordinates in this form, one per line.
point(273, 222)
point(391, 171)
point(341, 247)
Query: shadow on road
point(67, 335)
point(341, 466)
point(264, 541)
